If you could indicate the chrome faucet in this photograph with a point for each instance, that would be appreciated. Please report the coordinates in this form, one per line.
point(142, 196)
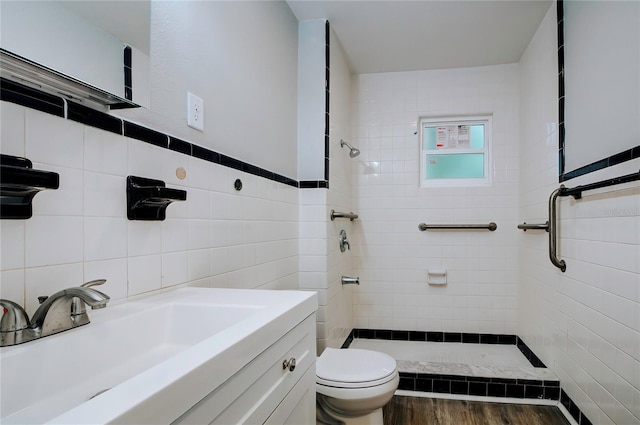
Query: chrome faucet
point(64, 310)
point(344, 242)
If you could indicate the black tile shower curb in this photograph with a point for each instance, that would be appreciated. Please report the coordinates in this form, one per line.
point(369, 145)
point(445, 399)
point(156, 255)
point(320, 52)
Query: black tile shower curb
point(473, 385)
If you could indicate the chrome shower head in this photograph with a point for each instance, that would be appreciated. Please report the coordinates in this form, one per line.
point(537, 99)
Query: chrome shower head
point(353, 152)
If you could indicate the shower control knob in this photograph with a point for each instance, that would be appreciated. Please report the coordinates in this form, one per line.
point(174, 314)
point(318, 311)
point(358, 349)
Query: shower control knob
point(291, 364)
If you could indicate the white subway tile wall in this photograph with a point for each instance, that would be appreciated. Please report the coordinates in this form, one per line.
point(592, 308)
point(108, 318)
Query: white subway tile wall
point(585, 323)
point(391, 255)
point(80, 232)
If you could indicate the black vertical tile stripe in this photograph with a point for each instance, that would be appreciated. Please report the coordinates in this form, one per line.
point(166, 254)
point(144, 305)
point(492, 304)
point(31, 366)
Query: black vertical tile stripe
point(327, 35)
point(127, 77)
point(560, 37)
point(128, 56)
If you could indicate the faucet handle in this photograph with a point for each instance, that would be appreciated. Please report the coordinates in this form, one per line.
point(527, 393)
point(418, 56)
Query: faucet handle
point(94, 282)
point(14, 318)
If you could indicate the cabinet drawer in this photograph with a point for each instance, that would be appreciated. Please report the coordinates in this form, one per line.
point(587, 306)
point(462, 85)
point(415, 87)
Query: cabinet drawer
point(255, 391)
point(299, 406)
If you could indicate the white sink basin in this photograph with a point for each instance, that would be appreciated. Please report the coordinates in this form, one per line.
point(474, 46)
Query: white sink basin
point(166, 350)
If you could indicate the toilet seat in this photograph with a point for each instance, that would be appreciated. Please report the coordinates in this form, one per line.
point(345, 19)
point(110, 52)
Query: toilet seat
point(354, 368)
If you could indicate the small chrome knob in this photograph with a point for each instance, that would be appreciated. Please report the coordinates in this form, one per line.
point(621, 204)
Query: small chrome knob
point(291, 364)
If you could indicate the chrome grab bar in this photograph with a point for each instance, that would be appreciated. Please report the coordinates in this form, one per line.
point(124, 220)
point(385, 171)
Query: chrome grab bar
point(490, 226)
point(351, 216)
point(576, 192)
point(553, 232)
point(539, 226)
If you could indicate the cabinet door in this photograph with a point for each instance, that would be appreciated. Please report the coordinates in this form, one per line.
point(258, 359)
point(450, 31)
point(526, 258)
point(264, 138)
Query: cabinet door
point(299, 406)
point(254, 392)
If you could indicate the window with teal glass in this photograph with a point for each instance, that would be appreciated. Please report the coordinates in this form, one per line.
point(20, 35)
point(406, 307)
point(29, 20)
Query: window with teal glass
point(455, 151)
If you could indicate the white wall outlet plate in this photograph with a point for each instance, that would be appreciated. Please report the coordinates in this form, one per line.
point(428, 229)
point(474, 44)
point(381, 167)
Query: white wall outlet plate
point(195, 112)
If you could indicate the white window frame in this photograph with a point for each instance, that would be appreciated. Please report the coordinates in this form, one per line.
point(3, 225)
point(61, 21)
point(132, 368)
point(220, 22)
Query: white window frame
point(460, 120)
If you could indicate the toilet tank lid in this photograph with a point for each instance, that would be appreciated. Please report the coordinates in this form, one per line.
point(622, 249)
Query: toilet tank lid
point(354, 365)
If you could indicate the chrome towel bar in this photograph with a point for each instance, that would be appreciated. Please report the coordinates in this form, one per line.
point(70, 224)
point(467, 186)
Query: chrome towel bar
point(351, 216)
point(423, 226)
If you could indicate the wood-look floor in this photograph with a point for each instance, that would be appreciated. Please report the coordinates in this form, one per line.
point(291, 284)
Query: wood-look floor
point(403, 410)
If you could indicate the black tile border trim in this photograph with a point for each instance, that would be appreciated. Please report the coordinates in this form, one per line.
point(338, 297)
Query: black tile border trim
point(36, 99)
point(473, 385)
point(93, 118)
point(573, 409)
point(479, 386)
point(462, 337)
point(618, 158)
point(31, 98)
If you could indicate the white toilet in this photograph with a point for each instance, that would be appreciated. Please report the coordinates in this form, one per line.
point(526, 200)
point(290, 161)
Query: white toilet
point(353, 385)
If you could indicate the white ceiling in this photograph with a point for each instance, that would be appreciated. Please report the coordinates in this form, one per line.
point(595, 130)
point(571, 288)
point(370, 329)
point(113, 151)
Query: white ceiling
point(399, 35)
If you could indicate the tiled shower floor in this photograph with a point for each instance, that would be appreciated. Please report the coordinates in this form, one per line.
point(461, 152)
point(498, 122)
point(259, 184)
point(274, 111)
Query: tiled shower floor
point(445, 358)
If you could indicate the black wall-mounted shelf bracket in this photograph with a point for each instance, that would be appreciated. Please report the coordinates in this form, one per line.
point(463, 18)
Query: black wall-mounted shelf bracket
point(19, 183)
point(148, 199)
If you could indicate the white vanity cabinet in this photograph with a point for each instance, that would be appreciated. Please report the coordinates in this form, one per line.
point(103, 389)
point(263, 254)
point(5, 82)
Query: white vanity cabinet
point(266, 390)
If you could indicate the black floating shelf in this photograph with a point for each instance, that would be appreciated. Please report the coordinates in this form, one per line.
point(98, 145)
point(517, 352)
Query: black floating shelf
point(19, 183)
point(148, 199)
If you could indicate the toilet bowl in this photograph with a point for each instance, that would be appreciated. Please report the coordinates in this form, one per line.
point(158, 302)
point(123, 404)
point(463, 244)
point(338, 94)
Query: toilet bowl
point(353, 385)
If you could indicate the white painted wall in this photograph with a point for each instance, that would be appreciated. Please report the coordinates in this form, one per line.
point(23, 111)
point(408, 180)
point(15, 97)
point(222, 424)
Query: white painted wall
point(51, 35)
point(241, 59)
point(311, 99)
point(585, 323)
point(392, 256)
